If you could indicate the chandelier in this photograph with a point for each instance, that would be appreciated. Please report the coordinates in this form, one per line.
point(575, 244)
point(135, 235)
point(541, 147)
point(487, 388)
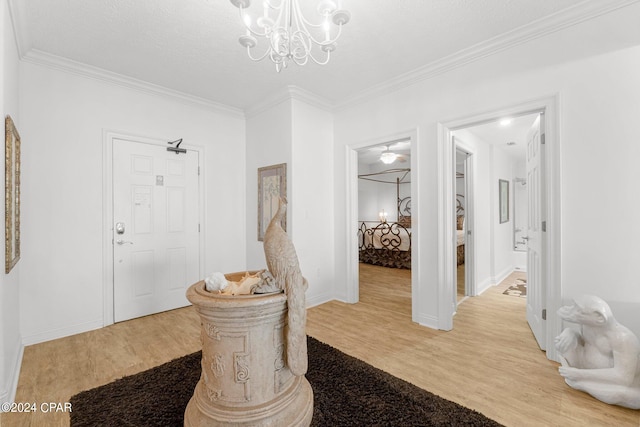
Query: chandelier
point(289, 35)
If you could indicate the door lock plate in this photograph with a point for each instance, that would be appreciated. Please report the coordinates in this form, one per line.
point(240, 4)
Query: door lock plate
point(120, 227)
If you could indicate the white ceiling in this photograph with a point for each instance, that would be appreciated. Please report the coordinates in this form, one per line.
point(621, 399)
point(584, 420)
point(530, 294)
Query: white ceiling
point(500, 136)
point(493, 133)
point(371, 155)
point(191, 46)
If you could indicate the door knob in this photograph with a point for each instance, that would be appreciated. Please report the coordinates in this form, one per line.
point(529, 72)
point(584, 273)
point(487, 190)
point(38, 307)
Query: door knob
point(123, 242)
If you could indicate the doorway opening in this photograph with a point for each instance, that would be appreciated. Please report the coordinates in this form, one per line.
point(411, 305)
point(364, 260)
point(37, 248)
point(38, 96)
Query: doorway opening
point(497, 232)
point(464, 224)
point(384, 219)
point(502, 236)
point(359, 158)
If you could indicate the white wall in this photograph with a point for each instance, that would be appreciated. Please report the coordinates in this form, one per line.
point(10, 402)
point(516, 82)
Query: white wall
point(63, 117)
point(268, 143)
point(501, 167)
point(373, 197)
point(598, 128)
point(368, 205)
point(10, 338)
point(299, 134)
point(312, 199)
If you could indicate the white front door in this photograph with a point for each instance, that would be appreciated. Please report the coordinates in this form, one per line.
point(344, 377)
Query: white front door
point(156, 231)
point(536, 291)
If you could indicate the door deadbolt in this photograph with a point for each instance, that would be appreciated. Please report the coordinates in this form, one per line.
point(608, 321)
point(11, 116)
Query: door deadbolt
point(120, 227)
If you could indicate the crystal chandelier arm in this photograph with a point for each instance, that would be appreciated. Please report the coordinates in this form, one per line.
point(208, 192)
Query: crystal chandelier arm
point(326, 25)
point(303, 23)
point(271, 5)
point(291, 36)
point(326, 60)
point(258, 58)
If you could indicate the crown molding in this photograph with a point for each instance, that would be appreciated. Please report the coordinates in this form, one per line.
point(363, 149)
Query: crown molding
point(285, 94)
point(310, 98)
point(581, 12)
point(73, 67)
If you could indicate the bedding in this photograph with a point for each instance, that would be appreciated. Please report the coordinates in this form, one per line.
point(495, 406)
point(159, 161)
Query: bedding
point(385, 244)
point(460, 240)
point(398, 238)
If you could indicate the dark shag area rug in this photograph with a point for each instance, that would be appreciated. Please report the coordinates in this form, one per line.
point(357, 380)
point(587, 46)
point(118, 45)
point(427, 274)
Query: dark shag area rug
point(347, 392)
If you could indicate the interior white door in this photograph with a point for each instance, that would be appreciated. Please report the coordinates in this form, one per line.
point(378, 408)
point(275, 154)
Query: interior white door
point(156, 231)
point(536, 291)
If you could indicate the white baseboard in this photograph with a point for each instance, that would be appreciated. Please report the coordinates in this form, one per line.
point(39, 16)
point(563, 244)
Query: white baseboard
point(54, 334)
point(503, 275)
point(428, 321)
point(9, 395)
point(319, 299)
point(484, 285)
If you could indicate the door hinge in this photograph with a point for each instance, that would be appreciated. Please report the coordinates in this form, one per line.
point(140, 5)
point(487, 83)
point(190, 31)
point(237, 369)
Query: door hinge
point(544, 226)
point(198, 170)
point(543, 139)
point(198, 228)
point(544, 314)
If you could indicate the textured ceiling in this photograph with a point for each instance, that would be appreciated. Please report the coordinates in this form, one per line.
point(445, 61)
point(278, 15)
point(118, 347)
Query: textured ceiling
point(191, 46)
point(500, 135)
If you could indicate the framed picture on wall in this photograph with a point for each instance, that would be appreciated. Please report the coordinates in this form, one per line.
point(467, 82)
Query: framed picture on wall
point(12, 194)
point(503, 191)
point(272, 183)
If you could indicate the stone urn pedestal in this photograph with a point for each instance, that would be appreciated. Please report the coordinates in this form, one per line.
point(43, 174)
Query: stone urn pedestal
point(245, 380)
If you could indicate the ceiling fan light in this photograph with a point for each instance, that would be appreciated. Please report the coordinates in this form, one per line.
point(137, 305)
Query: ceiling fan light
point(388, 157)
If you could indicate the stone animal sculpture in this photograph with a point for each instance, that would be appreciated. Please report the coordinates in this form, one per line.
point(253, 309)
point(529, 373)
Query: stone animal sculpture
point(282, 262)
point(603, 358)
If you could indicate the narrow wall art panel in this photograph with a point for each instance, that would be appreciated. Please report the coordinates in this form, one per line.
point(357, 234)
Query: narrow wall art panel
point(272, 184)
point(12, 194)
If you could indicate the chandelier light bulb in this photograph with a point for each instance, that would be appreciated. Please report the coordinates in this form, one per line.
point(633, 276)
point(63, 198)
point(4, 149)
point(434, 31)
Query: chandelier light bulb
point(284, 34)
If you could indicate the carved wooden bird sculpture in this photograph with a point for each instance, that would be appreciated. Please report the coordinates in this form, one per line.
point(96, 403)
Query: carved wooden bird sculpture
point(282, 262)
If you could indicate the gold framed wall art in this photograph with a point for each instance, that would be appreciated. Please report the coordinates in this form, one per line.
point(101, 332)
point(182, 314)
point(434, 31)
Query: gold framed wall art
point(272, 183)
point(12, 194)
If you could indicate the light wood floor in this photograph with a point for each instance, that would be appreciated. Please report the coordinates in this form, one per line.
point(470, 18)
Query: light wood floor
point(460, 288)
point(489, 362)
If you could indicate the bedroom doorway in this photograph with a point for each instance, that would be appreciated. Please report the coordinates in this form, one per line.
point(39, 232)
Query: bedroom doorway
point(464, 220)
point(384, 219)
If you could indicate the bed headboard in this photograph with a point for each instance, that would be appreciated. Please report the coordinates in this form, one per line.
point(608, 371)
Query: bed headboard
point(459, 211)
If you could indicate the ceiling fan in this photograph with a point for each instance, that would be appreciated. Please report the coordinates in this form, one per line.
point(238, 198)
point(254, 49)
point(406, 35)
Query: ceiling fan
point(387, 157)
